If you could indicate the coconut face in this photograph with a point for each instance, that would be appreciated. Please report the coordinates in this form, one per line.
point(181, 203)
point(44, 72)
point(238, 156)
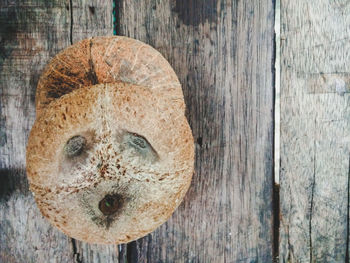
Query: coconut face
point(109, 163)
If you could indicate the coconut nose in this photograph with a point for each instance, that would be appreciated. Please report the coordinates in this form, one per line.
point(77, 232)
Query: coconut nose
point(110, 204)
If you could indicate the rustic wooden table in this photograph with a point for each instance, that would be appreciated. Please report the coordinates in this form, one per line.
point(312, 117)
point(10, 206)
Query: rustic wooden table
point(223, 52)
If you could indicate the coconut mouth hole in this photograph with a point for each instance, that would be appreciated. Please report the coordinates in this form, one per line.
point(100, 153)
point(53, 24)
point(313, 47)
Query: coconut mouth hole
point(110, 204)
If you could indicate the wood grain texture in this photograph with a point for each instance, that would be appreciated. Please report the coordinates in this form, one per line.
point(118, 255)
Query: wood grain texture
point(32, 32)
point(222, 52)
point(315, 129)
point(92, 18)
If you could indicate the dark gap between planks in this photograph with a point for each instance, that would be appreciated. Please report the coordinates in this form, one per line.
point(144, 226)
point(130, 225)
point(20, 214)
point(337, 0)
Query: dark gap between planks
point(276, 187)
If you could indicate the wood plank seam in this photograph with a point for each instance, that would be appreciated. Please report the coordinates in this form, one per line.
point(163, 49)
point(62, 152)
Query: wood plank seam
point(71, 21)
point(76, 255)
point(276, 189)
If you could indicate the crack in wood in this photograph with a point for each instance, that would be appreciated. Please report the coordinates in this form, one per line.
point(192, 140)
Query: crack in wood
point(290, 248)
point(76, 255)
point(276, 221)
point(312, 194)
point(116, 17)
point(149, 245)
point(276, 187)
point(71, 21)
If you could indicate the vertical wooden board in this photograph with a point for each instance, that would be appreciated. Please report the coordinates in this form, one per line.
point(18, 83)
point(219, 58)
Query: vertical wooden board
point(222, 52)
point(31, 33)
point(315, 129)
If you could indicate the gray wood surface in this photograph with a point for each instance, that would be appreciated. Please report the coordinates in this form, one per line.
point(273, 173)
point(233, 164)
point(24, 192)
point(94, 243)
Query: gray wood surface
point(31, 32)
point(315, 131)
point(222, 52)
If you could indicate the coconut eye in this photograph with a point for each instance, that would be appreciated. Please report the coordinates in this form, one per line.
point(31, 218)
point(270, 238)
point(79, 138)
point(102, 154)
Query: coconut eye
point(139, 142)
point(141, 145)
point(75, 146)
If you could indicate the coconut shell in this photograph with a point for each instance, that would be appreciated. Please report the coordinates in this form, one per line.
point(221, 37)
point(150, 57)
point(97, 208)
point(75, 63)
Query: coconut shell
point(108, 163)
point(109, 59)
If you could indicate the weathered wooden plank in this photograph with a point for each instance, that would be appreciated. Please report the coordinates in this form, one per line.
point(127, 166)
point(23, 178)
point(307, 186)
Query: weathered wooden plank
point(315, 129)
point(32, 32)
point(222, 52)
